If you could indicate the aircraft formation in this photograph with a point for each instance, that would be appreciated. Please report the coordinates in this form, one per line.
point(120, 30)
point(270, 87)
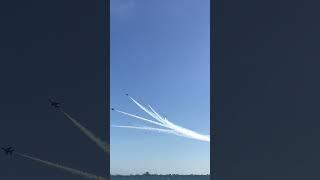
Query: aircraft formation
point(9, 150)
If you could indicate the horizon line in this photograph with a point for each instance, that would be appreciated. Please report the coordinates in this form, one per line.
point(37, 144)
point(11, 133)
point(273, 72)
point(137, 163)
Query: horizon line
point(144, 174)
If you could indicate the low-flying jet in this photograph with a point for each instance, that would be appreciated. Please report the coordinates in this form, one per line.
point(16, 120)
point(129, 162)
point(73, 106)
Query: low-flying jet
point(8, 150)
point(54, 103)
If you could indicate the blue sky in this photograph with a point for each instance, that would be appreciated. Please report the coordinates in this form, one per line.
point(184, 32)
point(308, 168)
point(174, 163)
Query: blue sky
point(160, 55)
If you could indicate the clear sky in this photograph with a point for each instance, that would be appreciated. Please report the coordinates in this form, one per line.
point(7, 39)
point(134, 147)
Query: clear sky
point(160, 55)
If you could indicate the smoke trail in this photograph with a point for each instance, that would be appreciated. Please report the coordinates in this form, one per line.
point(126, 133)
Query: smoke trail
point(178, 130)
point(182, 130)
point(138, 117)
point(166, 123)
point(67, 169)
point(143, 108)
point(166, 131)
point(188, 132)
point(89, 134)
point(158, 115)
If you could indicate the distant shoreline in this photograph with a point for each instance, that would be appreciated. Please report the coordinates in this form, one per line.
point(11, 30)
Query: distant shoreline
point(163, 175)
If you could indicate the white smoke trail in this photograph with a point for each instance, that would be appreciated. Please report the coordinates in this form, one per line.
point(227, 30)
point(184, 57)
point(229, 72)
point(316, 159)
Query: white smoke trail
point(138, 117)
point(143, 108)
point(67, 169)
point(104, 146)
point(166, 131)
point(189, 133)
point(181, 130)
point(158, 115)
point(164, 122)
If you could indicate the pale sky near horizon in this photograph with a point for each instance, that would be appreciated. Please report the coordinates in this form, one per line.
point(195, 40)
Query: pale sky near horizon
point(160, 55)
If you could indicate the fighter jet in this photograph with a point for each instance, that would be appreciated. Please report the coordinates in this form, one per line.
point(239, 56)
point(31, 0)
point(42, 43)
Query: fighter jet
point(54, 103)
point(8, 150)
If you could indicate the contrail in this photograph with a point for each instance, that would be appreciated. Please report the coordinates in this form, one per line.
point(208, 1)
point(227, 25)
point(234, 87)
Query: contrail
point(166, 131)
point(159, 117)
point(67, 169)
point(104, 146)
point(143, 108)
point(170, 125)
point(138, 117)
point(178, 130)
point(188, 132)
point(181, 130)
point(164, 122)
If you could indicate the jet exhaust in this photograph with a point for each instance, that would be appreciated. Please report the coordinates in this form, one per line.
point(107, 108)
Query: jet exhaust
point(159, 130)
point(164, 122)
point(103, 145)
point(64, 168)
point(141, 118)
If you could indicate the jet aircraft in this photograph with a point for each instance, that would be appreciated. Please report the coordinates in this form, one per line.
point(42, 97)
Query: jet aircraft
point(8, 150)
point(54, 103)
